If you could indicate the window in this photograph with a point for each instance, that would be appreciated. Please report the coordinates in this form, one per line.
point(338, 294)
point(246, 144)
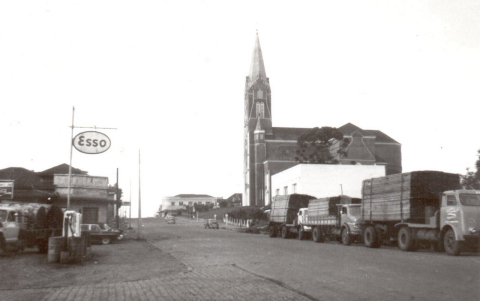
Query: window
point(294, 188)
point(260, 110)
point(285, 190)
point(277, 192)
point(451, 201)
point(180, 203)
point(190, 203)
point(172, 203)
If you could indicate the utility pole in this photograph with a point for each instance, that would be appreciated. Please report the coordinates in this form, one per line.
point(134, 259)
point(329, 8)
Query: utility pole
point(139, 200)
point(70, 166)
point(117, 206)
point(130, 208)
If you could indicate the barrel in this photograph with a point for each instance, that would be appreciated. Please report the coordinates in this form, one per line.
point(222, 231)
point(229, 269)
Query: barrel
point(76, 249)
point(55, 245)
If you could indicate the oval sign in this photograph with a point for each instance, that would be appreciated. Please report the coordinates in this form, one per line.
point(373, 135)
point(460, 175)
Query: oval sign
point(91, 142)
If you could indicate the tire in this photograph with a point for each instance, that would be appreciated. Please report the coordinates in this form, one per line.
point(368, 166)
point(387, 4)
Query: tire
point(370, 238)
point(285, 232)
point(346, 238)
point(272, 231)
point(317, 235)
point(3, 244)
point(405, 239)
point(301, 233)
point(452, 246)
point(106, 240)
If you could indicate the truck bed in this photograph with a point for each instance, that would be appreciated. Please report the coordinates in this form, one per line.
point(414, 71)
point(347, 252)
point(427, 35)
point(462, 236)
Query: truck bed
point(408, 196)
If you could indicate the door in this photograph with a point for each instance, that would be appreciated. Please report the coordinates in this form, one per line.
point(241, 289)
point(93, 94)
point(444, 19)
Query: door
point(90, 215)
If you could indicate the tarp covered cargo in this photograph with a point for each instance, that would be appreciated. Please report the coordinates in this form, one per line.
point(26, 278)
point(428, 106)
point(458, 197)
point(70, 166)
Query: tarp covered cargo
point(406, 196)
point(284, 208)
point(327, 206)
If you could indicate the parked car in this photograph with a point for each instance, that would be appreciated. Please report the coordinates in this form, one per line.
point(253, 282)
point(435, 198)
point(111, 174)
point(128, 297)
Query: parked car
point(170, 219)
point(211, 224)
point(103, 235)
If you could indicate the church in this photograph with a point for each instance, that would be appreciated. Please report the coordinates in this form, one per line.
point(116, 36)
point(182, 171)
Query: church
point(269, 150)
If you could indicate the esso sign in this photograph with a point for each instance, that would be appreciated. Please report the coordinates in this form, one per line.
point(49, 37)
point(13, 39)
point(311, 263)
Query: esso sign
point(91, 142)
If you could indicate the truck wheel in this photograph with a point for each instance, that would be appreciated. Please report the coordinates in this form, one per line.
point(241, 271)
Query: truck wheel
point(370, 238)
point(106, 240)
point(346, 238)
point(272, 231)
point(284, 232)
point(3, 244)
point(301, 233)
point(452, 246)
point(317, 235)
point(405, 239)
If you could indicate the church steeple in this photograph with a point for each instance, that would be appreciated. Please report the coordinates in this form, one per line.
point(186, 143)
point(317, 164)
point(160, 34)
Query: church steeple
point(257, 66)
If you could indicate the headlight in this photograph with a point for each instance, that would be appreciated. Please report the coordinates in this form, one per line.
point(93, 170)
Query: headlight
point(356, 226)
point(472, 230)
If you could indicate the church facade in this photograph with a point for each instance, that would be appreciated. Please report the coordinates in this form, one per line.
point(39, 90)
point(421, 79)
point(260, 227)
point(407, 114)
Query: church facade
point(269, 150)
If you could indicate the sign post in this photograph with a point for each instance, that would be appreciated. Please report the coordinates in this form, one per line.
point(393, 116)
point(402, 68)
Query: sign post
point(87, 142)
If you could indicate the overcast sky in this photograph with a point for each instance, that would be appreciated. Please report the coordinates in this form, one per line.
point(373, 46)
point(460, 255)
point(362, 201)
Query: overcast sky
point(170, 75)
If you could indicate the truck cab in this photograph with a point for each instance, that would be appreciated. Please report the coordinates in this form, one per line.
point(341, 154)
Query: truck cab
point(460, 218)
point(350, 217)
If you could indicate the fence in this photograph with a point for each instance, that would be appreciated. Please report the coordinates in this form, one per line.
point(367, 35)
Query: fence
point(237, 222)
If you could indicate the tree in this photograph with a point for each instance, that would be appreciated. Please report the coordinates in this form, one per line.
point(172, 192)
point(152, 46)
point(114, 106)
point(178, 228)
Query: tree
point(320, 146)
point(472, 179)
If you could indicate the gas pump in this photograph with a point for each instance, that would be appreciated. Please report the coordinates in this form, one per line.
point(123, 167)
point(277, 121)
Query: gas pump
point(72, 224)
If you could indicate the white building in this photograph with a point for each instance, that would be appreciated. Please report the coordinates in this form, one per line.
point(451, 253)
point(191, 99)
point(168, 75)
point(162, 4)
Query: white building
point(324, 180)
point(182, 200)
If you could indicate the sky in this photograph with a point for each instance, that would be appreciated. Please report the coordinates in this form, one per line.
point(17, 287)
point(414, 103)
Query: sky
point(170, 77)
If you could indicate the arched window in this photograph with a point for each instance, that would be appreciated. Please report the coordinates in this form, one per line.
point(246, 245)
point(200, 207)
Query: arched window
point(260, 109)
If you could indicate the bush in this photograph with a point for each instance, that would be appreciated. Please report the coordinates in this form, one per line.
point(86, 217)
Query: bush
point(248, 213)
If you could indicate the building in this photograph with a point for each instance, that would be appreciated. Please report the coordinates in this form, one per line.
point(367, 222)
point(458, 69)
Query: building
point(269, 150)
point(89, 195)
point(235, 200)
point(181, 201)
point(324, 180)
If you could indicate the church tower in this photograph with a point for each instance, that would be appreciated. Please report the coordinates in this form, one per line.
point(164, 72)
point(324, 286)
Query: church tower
point(257, 126)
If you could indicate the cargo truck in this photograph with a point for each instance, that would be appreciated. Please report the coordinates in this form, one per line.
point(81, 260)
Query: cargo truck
point(28, 225)
point(284, 214)
point(333, 218)
point(420, 206)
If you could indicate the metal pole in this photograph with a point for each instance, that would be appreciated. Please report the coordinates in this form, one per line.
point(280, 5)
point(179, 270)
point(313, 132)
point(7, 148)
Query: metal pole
point(117, 207)
point(130, 209)
point(139, 199)
point(70, 166)
point(341, 189)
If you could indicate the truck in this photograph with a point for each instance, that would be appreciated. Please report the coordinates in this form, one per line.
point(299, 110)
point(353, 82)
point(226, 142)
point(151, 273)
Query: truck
point(333, 218)
point(28, 225)
point(284, 210)
point(420, 207)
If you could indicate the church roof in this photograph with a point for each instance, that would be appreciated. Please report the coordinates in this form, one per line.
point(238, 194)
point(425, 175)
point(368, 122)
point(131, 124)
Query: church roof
point(257, 66)
point(288, 133)
point(349, 129)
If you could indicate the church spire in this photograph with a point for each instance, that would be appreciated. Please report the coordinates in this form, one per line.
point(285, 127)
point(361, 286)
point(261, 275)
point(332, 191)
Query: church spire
point(257, 67)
